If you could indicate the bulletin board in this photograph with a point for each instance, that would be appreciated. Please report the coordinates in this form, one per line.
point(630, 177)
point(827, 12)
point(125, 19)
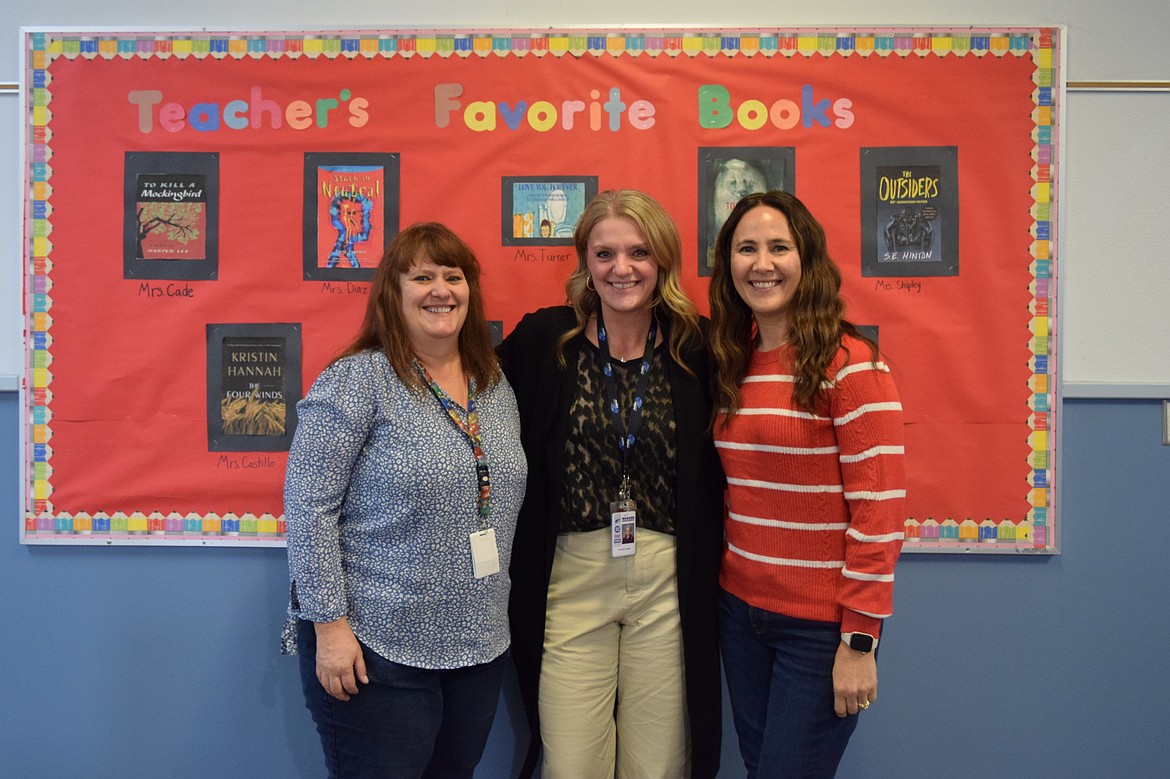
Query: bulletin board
point(204, 211)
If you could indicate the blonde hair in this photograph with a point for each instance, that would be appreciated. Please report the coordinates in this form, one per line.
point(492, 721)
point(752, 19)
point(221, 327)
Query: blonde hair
point(662, 239)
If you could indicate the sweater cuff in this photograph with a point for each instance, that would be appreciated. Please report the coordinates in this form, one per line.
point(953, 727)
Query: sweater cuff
point(853, 622)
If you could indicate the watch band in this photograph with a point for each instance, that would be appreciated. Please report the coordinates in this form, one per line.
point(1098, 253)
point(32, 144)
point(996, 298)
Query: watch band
point(860, 642)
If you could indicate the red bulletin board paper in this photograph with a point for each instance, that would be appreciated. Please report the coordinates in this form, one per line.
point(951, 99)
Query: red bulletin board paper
point(126, 358)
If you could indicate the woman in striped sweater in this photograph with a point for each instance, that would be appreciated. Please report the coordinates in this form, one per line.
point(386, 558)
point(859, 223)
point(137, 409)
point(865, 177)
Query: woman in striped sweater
point(809, 429)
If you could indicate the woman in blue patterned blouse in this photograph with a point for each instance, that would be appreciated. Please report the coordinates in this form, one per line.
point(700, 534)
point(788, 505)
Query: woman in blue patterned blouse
point(404, 481)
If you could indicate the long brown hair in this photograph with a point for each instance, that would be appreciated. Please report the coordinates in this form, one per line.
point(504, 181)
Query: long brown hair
point(383, 327)
point(817, 310)
point(669, 301)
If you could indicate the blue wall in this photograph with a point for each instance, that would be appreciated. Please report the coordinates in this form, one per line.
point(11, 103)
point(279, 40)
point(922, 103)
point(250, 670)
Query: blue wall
point(149, 662)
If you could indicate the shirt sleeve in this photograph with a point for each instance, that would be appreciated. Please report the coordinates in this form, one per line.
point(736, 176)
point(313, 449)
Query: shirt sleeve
point(516, 350)
point(335, 419)
point(867, 417)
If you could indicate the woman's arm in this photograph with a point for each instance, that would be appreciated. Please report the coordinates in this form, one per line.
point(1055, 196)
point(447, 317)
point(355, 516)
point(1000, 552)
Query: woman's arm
point(334, 421)
point(867, 416)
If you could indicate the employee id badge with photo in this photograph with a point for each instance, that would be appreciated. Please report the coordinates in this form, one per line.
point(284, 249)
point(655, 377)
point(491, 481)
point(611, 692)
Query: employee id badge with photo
point(623, 520)
point(485, 557)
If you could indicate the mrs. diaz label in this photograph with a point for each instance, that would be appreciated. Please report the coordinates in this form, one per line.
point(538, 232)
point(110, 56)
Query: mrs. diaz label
point(337, 288)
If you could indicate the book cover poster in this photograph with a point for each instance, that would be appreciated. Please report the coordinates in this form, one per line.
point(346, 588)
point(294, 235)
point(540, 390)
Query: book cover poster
point(726, 175)
point(910, 211)
point(253, 385)
point(170, 215)
point(350, 213)
point(543, 210)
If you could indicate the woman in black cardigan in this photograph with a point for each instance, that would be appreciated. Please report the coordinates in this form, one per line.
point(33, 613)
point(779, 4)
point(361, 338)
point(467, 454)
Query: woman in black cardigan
point(599, 661)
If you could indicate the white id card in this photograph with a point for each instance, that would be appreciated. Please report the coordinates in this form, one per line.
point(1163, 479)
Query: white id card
point(485, 557)
point(623, 523)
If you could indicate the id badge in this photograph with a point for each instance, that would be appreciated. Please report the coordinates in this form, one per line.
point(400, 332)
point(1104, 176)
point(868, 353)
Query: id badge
point(485, 557)
point(623, 519)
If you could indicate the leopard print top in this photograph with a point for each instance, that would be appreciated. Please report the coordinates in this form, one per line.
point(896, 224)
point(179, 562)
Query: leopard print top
point(593, 462)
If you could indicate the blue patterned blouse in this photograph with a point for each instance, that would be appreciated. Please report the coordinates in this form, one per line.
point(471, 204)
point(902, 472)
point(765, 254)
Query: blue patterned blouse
point(381, 497)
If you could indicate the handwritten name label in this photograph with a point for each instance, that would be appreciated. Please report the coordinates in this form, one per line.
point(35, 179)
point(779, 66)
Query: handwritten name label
point(542, 254)
point(243, 463)
point(146, 290)
point(902, 285)
point(350, 287)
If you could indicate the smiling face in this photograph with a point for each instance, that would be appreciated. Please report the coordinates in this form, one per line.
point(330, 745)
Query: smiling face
point(621, 266)
point(434, 302)
point(765, 269)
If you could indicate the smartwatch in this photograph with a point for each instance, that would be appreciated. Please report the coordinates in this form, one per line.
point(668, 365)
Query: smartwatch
point(860, 642)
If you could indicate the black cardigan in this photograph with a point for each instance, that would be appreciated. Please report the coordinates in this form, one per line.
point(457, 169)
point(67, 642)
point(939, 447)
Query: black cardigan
point(544, 391)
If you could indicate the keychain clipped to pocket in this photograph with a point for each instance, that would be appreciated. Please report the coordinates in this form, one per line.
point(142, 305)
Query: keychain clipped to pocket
point(623, 518)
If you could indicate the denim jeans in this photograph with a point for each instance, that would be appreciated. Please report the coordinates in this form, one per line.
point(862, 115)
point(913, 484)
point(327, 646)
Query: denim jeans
point(407, 722)
point(779, 674)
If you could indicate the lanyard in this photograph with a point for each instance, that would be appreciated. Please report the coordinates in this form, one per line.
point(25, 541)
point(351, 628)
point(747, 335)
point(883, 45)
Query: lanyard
point(470, 430)
point(626, 435)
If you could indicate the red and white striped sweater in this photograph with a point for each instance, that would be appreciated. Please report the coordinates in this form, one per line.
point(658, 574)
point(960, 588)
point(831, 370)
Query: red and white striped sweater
point(815, 503)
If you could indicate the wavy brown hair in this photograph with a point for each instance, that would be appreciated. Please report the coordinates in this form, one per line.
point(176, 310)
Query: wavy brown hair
point(383, 327)
point(671, 305)
point(817, 311)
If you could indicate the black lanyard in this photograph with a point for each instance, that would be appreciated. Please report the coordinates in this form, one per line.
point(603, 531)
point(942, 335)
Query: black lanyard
point(626, 434)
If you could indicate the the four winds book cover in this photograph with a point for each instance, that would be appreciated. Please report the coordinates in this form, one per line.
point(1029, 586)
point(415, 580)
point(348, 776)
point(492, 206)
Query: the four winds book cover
point(253, 385)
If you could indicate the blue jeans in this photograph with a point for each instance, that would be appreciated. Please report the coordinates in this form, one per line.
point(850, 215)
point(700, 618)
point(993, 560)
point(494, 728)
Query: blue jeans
point(407, 722)
point(779, 674)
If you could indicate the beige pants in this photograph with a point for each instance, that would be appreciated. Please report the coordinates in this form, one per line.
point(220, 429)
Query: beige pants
point(611, 681)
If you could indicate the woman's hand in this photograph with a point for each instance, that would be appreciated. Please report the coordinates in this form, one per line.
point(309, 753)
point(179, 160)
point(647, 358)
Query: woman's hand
point(340, 665)
point(854, 680)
